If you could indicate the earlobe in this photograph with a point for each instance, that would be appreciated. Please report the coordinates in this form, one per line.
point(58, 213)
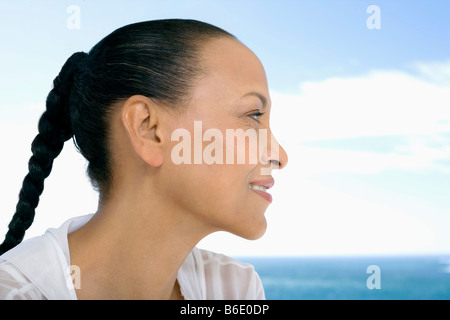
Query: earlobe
point(140, 120)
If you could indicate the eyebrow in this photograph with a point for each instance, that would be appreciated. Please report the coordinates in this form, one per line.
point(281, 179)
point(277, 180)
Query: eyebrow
point(258, 95)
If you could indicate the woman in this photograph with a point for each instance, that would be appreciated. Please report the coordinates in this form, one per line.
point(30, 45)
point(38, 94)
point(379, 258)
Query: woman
point(121, 104)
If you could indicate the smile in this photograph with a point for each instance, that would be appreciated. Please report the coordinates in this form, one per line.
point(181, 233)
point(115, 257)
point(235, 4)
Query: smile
point(261, 191)
point(260, 188)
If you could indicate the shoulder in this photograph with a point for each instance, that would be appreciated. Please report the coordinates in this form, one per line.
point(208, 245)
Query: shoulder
point(40, 263)
point(14, 285)
point(33, 265)
point(228, 278)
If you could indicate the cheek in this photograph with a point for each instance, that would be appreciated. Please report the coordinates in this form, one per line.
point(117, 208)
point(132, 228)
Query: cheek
point(209, 189)
point(216, 193)
point(219, 196)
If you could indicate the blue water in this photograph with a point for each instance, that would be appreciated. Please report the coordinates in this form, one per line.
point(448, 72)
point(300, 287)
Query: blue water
point(325, 278)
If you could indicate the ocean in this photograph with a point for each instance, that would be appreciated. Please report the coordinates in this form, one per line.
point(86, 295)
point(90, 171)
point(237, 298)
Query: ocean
point(355, 278)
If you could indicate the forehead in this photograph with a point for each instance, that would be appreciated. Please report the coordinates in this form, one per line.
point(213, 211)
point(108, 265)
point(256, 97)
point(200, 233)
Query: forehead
point(231, 71)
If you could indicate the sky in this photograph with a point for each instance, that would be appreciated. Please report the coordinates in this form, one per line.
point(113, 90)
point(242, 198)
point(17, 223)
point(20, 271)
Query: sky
point(360, 103)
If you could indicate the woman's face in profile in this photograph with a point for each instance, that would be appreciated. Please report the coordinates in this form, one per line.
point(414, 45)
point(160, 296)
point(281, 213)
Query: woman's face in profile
point(232, 94)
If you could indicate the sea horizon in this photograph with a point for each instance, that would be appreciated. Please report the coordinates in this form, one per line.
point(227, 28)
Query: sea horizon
point(354, 277)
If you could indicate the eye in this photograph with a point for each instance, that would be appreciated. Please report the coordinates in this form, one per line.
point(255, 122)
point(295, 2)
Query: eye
point(256, 115)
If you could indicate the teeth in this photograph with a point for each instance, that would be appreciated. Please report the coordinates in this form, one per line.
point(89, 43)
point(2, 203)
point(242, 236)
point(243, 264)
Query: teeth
point(259, 188)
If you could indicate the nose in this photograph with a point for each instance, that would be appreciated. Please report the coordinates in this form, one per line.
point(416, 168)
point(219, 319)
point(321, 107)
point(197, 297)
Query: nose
point(275, 155)
point(278, 159)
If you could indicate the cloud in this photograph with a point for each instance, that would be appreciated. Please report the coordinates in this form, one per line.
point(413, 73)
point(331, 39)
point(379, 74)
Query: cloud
point(378, 103)
point(313, 219)
point(382, 120)
point(437, 71)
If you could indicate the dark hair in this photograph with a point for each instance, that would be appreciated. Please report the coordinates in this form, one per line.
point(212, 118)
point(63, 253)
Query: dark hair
point(158, 59)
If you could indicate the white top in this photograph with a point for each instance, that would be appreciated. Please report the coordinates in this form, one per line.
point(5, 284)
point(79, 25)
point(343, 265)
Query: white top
point(39, 268)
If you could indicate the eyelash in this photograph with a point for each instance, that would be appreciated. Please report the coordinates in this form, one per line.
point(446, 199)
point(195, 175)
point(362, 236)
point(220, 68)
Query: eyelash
point(257, 114)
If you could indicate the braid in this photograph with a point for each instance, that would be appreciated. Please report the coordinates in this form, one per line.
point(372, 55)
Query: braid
point(54, 129)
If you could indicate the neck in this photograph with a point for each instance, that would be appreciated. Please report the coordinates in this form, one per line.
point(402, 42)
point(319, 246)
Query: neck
point(132, 250)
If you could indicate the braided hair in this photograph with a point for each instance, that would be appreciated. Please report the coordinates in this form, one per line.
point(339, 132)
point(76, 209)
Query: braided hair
point(158, 59)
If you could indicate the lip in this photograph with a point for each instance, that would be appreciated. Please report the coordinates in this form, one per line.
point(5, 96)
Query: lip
point(263, 194)
point(266, 183)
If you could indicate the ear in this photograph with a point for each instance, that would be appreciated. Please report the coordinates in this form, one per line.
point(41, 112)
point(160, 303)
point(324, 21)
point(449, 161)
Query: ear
point(140, 119)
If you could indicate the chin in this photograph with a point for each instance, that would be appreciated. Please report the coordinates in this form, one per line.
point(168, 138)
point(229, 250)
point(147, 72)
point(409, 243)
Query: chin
point(253, 232)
